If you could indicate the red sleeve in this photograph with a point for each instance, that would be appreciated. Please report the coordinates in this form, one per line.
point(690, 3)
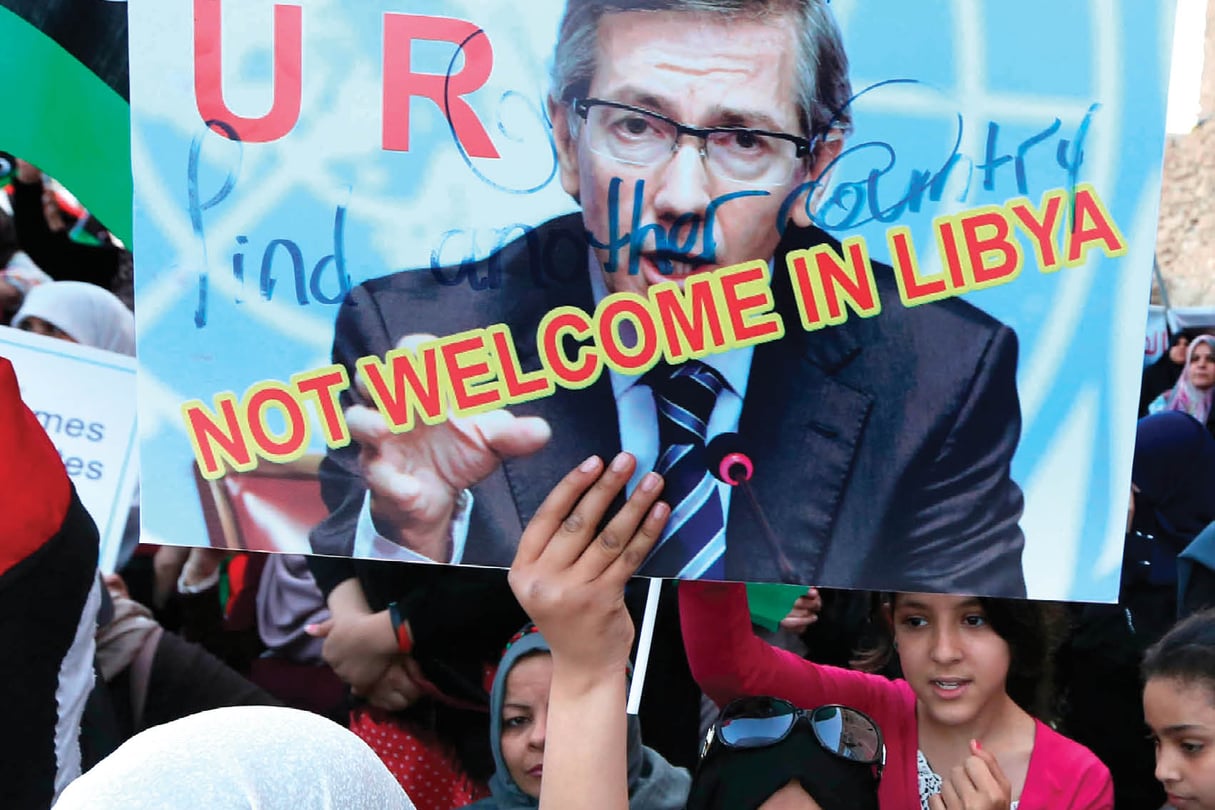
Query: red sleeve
point(34, 487)
point(728, 660)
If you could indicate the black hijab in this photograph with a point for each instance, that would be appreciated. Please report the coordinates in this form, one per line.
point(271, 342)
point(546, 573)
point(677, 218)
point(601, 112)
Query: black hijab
point(743, 779)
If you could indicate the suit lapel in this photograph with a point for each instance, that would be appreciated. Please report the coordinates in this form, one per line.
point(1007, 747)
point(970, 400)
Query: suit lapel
point(804, 426)
point(583, 421)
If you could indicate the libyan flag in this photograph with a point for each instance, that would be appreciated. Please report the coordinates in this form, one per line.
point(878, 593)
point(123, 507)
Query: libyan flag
point(66, 91)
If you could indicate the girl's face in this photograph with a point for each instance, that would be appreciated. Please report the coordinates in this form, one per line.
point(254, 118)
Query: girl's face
point(1202, 365)
point(524, 717)
point(952, 658)
point(1181, 715)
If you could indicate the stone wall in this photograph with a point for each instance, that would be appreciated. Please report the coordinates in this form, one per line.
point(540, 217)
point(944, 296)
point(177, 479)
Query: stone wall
point(1185, 240)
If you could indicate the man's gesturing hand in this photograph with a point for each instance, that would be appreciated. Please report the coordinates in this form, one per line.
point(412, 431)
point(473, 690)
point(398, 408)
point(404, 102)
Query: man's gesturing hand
point(415, 478)
point(570, 577)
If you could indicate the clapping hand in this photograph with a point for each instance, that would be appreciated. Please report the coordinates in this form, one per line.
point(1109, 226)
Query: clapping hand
point(976, 784)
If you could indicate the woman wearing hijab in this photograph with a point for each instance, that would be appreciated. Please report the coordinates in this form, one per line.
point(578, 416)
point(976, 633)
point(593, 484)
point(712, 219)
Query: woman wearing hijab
point(240, 758)
point(1194, 392)
point(797, 770)
point(80, 312)
point(91, 316)
point(518, 718)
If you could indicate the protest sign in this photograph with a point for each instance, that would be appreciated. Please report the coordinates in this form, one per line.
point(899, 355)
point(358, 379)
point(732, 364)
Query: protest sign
point(921, 334)
point(85, 400)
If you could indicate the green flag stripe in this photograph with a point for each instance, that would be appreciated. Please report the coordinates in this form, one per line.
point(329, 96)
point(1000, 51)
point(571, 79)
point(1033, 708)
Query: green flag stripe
point(61, 117)
point(93, 31)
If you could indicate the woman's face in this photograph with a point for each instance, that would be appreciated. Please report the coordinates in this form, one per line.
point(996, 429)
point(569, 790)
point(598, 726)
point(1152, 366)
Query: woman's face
point(524, 717)
point(1202, 365)
point(952, 658)
point(1181, 715)
point(40, 327)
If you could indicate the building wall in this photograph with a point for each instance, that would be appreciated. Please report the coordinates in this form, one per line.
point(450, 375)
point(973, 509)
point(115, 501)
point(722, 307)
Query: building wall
point(1185, 245)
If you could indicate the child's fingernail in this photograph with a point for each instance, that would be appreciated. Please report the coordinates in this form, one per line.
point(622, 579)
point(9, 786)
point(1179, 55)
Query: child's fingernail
point(620, 463)
point(650, 482)
point(590, 464)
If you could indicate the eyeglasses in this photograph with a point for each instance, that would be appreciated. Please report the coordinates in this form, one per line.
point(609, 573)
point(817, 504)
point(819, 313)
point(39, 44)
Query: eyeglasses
point(638, 137)
point(758, 722)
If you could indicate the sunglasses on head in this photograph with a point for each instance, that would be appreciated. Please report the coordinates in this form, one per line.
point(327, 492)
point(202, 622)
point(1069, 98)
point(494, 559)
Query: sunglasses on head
point(758, 722)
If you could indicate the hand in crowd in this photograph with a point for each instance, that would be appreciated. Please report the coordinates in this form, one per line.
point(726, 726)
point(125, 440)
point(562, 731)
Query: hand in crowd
point(166, 568)
point(977, 784)
point(201, 566)
point(804, 612)
point(570, 577)
point(415, 478)
point(401, 685)
point(360, 647)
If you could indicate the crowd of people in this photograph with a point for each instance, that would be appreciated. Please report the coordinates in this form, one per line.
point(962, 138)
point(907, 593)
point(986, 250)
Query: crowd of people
point(224, 678)
point(969, 717)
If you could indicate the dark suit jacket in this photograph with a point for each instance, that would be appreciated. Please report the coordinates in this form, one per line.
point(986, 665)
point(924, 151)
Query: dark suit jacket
point(882, 446)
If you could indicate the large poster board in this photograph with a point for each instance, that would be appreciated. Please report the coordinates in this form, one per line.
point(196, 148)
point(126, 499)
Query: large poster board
point(919, 296)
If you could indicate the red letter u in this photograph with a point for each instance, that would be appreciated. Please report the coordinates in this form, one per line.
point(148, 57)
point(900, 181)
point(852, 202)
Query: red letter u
point(209, 73)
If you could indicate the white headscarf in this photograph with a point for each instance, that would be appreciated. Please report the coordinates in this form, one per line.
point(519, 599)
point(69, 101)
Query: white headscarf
point(263, 757)
point(1187, 397)
point(92, 315)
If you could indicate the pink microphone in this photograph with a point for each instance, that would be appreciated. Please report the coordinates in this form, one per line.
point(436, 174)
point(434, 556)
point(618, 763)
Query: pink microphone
point(728, 460)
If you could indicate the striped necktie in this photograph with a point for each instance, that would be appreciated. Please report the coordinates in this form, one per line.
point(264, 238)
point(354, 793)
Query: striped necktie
point(694, 541)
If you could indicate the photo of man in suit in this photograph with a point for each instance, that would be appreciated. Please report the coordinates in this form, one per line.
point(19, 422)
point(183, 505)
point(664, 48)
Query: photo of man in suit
point(695, 135)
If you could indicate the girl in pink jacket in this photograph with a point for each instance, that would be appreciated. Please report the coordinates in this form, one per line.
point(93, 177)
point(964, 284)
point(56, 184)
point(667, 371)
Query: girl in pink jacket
point(971, 667)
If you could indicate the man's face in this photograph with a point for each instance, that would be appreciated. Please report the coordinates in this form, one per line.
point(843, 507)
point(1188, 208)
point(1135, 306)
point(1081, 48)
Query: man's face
point(704, 70)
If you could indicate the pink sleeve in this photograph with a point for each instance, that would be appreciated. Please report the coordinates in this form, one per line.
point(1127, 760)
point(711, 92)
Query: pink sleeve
point(728, 660)
point(1098, 791)
point(1064, 775)
point(1094, 788)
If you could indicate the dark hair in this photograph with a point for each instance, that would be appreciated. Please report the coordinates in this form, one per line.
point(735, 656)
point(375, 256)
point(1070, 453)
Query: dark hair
point(1032, 630)
point(823, 88)
point(1186, 653)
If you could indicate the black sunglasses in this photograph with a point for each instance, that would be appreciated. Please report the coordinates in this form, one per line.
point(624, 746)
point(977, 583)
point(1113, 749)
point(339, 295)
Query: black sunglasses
point(757, 722)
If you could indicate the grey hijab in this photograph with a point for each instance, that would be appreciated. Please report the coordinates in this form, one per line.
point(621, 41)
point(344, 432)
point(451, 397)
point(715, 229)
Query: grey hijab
point(654, 784)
